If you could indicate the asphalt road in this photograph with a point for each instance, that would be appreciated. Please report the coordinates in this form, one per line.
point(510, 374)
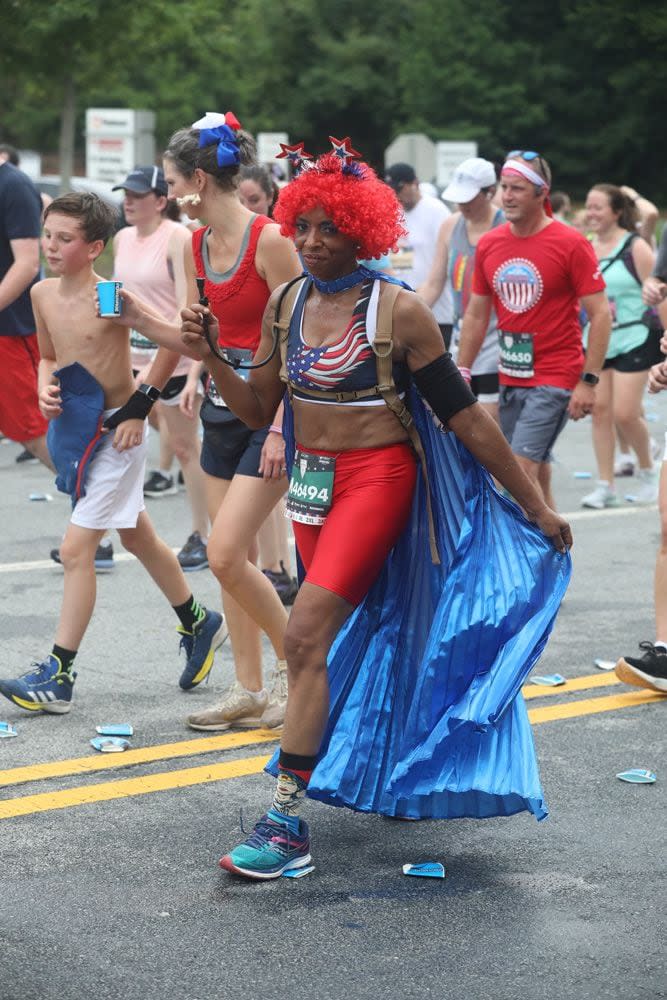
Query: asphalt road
point(110, 886)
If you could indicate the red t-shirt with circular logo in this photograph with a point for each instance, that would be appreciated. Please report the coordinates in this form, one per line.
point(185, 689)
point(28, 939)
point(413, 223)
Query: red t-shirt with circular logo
point(536, 283)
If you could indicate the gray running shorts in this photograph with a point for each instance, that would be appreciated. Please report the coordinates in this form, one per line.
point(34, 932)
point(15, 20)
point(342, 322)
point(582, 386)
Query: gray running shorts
point(532, 417)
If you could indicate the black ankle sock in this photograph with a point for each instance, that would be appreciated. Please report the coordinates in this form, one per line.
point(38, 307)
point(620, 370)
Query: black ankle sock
point(296, 762)
point(66, 657)
point(189, 613)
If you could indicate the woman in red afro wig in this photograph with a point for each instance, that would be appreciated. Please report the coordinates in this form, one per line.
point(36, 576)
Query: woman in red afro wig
point(362, 206)
point(374, 692)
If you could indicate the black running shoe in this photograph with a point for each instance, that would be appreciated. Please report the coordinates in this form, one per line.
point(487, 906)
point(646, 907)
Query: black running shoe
point(158, 485)
point(103, 556)
point(648, 671)
point(286, 586)
point(26, 456)
point(193, 554)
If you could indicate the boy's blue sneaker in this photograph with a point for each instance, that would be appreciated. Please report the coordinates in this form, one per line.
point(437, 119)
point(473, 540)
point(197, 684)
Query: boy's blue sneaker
point(270, 850)
point(200, 646)
point(45, 688)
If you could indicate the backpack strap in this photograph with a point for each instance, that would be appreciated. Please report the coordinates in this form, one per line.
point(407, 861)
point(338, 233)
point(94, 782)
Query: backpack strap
point(622, 254)
point(280, 327)
point(383, 345)
point(383, 349)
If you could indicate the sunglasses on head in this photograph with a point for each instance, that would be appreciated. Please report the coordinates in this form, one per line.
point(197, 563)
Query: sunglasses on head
point(528, 154)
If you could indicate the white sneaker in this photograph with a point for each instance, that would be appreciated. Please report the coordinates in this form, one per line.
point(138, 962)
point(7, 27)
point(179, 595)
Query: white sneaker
point(624, 464)
point(274, 713)
point(240, 709)
point(648, 489)
point(601, 497)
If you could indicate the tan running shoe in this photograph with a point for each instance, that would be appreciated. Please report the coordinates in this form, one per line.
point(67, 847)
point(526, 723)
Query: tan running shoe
point(239, 709)
point(274, 713)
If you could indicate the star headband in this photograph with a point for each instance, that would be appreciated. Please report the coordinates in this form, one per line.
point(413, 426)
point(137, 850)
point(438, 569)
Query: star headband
point(215, 128)
point(296, 155)
point(342, 150)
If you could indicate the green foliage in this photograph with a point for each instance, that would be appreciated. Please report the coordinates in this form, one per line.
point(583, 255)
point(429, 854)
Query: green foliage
point(582, 81)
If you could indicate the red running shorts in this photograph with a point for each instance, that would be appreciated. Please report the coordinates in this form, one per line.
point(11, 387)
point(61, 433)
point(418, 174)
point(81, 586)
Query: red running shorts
point(372, 497)
point(20, 418)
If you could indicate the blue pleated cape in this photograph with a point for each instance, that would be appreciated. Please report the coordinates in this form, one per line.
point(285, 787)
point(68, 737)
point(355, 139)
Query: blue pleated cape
point(427, 718)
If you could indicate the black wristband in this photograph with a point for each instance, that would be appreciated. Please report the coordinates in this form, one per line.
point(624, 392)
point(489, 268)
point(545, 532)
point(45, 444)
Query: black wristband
point(137, 407)
point(443, 387)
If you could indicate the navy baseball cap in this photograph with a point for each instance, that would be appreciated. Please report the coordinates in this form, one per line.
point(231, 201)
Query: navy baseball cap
point(142, 180)
point(399, 174)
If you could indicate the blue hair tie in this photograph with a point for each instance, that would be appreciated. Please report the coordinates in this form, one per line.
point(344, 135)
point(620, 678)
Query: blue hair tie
point(228, 147)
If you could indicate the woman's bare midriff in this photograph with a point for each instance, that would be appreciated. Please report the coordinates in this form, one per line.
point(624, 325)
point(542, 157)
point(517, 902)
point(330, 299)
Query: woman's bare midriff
point(343, 428)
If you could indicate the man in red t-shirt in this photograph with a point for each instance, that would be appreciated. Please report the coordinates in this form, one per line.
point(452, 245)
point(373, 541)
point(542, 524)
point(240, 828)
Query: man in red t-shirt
point(535, 272)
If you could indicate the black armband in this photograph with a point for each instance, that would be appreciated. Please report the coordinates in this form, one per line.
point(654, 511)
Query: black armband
point(138, 406)
point(443, 387)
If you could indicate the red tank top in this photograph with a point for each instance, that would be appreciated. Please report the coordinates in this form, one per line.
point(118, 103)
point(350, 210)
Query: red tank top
point(238, 303)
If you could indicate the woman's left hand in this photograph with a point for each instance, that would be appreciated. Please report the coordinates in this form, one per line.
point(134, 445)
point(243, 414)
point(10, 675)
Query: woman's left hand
point(554, 527)
point(272, 460)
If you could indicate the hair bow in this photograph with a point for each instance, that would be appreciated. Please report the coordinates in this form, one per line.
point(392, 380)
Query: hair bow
point(228, 147)
point(213, 118)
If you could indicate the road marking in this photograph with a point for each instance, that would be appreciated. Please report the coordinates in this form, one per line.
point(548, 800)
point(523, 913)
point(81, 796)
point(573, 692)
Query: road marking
point(572, 684)
point(142, 755)
point(166, 781)
point(21, 567)
point(573, 515)
point(228, 741)
point(591, 706)
point(47, 801)
point(587, 515)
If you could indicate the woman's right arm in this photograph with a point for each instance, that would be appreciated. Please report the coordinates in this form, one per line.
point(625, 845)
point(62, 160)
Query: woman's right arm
point(431, 290)
point(255, 401)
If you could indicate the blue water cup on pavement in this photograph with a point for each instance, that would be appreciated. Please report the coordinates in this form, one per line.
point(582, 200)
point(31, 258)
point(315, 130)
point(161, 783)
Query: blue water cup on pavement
point(108, 296)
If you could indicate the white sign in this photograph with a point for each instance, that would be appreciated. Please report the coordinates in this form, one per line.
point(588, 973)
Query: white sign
point(31, 163)
point(109, 158)
point(448, 156)
point(117, 141)
point(111, 121)
point(415, 149)
point(268, 145)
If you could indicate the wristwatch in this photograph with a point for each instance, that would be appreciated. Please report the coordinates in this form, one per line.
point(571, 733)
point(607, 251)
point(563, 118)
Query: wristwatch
point(150, 391)
point(589, 378)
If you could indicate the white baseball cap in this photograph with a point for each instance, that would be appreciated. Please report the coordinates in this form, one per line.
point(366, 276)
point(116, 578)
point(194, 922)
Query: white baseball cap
point(469, 178)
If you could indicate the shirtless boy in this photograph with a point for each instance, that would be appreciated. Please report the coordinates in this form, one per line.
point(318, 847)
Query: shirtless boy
point(85, 368)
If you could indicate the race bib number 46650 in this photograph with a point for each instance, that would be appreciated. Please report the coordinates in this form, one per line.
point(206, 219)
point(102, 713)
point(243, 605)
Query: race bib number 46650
point(516, 354)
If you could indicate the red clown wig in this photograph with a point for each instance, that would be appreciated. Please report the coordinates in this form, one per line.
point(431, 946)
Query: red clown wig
point(362, 206)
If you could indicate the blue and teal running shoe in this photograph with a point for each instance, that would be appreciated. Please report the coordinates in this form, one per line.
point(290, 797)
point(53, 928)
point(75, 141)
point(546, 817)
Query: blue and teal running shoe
point(200, 646)
point(45, 688)
point(270, 850)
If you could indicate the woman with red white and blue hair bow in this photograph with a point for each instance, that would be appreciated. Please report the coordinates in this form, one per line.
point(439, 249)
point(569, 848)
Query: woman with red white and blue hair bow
point(411, 635)
point(238, 258)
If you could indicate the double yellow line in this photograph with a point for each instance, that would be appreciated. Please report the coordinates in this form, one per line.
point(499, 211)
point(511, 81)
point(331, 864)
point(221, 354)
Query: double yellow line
point(202, 774)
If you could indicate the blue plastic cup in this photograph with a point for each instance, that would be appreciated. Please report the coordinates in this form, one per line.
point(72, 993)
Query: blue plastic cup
point(108, 296)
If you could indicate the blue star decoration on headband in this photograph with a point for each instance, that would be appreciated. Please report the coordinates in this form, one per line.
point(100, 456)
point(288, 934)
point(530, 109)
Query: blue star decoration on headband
point(296, 154)
point(343, 148)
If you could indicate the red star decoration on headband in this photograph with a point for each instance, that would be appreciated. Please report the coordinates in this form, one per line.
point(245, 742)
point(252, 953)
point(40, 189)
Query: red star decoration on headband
point(343, 148)
point(295, 154)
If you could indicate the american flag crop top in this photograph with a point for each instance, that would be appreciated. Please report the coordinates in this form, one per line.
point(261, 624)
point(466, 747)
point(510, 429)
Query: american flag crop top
point(348, 365)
